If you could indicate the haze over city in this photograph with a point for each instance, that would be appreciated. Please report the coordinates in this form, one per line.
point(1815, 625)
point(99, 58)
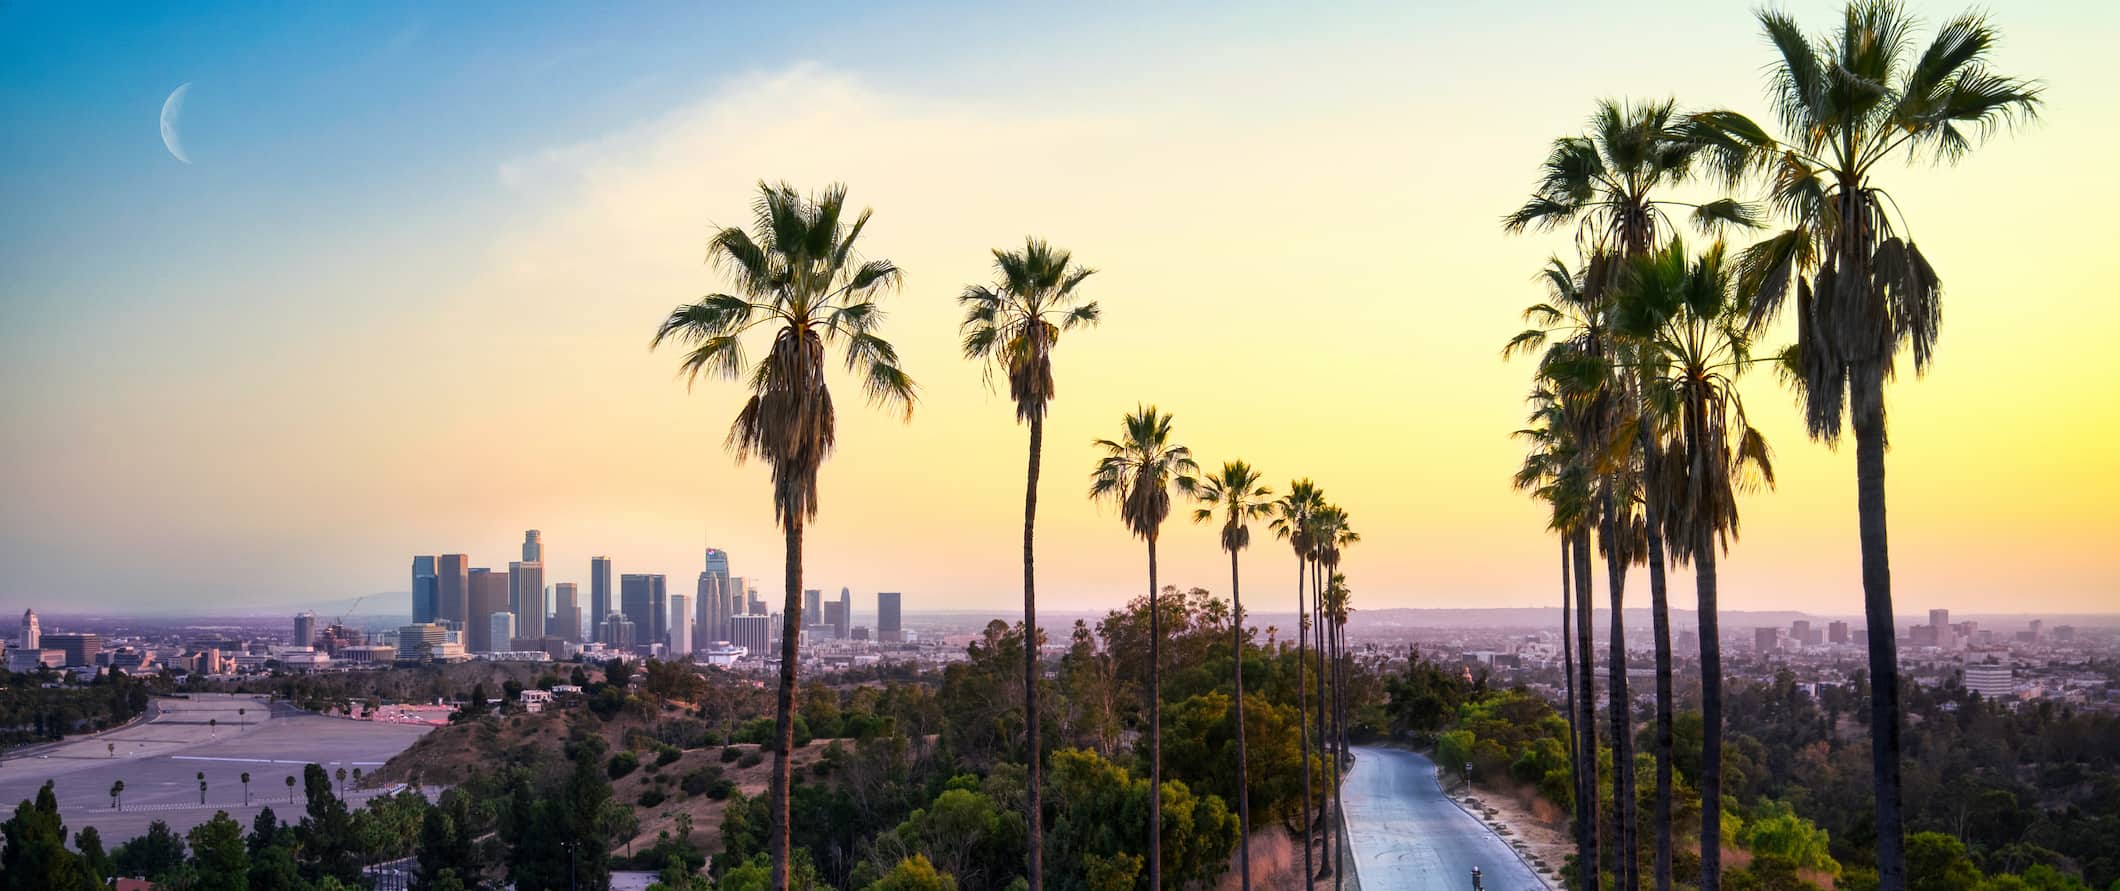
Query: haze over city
point(399, 298)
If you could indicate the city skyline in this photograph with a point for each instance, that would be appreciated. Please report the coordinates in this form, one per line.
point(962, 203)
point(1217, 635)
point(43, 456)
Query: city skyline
point(567, 219)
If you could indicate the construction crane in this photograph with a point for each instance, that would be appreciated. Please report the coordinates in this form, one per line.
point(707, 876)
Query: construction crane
point(340, 619)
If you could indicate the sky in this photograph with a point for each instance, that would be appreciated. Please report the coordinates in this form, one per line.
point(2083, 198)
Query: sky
point(400, 299)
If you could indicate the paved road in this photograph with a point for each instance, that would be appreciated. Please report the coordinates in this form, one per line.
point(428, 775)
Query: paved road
point(161, 757)
point(1407, 836)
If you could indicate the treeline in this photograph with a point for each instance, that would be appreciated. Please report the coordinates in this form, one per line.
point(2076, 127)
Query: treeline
point(30, 712)
point(1997, 799)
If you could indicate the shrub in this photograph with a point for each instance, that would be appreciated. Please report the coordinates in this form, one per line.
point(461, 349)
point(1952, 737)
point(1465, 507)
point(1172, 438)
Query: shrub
point(651, 797)
point(621, 764)
point(668, 754)
point(730, 753)
point(751, 759)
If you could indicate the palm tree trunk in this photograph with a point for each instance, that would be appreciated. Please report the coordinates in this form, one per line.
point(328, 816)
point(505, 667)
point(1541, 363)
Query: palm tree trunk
point(1339, 727)
point(1660, 619)
point(1568, 655)
point(1236, 640)
point(1866, 387)
point(1586, 809)
point(784, 702)
point(1303, 718)
point(1326, 758)
point(1711, 722)
point(1036, 802)
point(1155, 725)
point(1620, 710)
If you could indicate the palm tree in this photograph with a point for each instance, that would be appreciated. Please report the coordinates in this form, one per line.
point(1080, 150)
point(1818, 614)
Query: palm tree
point(1334, 533)
point(1687, 315)
point(246, 788)
point(290, 788)
point(1552, 473)
point(202, 788)
point(341, 774)
point(1608, 182)
point(796, 272)
point(1292, 523)
point(1568, 325)
point(1238, 496)
point(1137, 473)
point(117, 794)
point(1014, 325)
point(1851, 101)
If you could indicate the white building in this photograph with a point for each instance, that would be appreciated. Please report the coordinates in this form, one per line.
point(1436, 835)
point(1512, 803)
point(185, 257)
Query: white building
point(680, 625)
point(31, 636)
point(1991, 679)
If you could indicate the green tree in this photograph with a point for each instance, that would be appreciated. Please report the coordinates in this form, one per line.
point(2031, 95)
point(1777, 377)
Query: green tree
point(35, 857)
point(1013, 325)
point(1938, 862)
point(328, 843)
point(218, 855)
point(1850, 101)
point(1137, 473)
point(797, 272)
point(1239, 497)
point(155, 853)
point(914, 873)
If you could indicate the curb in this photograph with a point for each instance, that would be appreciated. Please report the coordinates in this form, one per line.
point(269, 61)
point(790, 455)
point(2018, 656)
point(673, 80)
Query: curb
point(1482, 820)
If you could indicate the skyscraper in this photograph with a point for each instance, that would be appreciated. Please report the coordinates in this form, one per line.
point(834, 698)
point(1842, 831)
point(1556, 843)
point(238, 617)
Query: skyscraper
point(754, 633)
point(533, 547)
point(305, 628)
point(452, 597)
point(644, 599)
point(812, 606)
point(488, 595)
point(1837, 632)
point(846, 612)
point(500, 629)
point(600, 592)
point(80, 648)
point(712, 623)
point(424, 581)
point(1940, 626)
point(32, 636)
point(680, 626)
point(888, 618)
point(567, 613)
point(834, 622)
point(526, 596)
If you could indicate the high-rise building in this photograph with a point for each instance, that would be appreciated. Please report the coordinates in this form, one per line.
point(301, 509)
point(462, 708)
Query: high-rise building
point(305, 628)
point(526, 596)
point(834, 621)
point(423, 589)
point(758, 604)
point(533, 547)
point(710, 623)
point(1837, 632)
point(500, 630)
point(617, 632)
point(1991, 679)
point(80, 647)
point(488, 595)
point(812, 606)
point(31, 637)
point(452, 587)
point(566, 621)
point(755, 633)
point(889, 619)
point(846, 613)
point(644, 598)
point(1766, 640)
point(680, 626)
point(1940, 627)
point(600, 605)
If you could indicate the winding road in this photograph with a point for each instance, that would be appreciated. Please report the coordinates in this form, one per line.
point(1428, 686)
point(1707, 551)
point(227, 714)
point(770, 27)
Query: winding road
point(1406, 835)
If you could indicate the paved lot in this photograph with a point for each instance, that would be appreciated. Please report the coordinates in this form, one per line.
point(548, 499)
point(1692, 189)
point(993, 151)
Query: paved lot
point(1405, 835)
point(160, 758)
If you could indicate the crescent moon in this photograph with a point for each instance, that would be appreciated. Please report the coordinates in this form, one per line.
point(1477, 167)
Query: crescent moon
point(172, 110)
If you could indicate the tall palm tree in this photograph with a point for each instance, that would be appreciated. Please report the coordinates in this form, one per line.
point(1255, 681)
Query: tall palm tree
point(1237, 495)
point(1687, 316)
point(1014, 325)
point(1850, 101)
point(797, 272)
point(1292, 523)
point(1552, 473)
point(1566, 328)
point(1609, 182)
point(1137, 472)
point(1334, 532)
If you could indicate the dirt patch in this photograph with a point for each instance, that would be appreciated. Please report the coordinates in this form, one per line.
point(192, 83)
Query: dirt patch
point(1530, 824)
